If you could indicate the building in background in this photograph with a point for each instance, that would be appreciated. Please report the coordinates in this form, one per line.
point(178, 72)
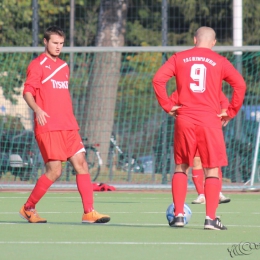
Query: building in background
point(19, 110)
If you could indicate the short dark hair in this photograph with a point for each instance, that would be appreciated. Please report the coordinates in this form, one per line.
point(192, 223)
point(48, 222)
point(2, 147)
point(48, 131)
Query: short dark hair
point(53, 30)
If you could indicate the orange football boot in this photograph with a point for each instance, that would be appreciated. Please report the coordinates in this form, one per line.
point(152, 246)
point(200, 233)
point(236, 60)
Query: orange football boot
point(31, 216)
point(95, 217)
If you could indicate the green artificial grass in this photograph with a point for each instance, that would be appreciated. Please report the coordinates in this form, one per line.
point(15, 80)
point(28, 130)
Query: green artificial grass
point(138, 228)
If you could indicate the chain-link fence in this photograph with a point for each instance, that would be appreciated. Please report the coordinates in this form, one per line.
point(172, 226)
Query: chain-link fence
point(137, 147)
point(141, 22)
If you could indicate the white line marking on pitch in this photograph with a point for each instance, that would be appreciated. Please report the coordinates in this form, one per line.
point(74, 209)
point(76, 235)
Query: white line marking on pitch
point(117, 243)
point(190, 225)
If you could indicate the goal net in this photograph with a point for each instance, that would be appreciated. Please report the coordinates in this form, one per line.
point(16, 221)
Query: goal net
point(128, 137)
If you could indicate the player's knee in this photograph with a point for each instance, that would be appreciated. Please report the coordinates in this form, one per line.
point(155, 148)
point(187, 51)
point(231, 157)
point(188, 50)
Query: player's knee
point(197, 163)
point(81, 167)
point(182, 168)
point(53, 174)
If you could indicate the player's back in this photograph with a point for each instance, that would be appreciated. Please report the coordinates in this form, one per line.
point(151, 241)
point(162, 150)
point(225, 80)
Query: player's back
point(199, 74)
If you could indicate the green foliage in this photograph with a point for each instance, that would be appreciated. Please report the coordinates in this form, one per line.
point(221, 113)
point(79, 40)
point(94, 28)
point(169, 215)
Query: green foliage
point(12, 73)
point(10, 123)
point(251, 25)
point(86, 26)
point(184, 18)
point(49, 14)
point(16, 30)
point(15, 18)
point(144, 25)
point(136, 86)
point(136, 32)
point(250, 73)
point(144, 21)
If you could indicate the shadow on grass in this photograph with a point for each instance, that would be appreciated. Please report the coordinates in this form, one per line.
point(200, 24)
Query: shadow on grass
point(104, 225)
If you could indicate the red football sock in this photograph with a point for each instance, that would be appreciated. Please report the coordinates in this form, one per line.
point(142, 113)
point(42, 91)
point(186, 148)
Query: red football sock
point(211, 190)
point(179, 191)
point(41, 187)
point(220, 177)
point(198, 180)
point(85, 189)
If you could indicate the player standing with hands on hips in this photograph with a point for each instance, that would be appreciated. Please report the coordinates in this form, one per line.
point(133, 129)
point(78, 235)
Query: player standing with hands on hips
point(56, 130)
point(199, 73)
point(197, 169)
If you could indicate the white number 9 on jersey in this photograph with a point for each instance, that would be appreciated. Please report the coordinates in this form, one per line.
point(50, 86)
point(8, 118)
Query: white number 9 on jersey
point(198, 74)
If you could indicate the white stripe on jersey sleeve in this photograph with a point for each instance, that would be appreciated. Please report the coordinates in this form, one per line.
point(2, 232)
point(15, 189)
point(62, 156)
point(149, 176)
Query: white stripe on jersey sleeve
point(43, 60)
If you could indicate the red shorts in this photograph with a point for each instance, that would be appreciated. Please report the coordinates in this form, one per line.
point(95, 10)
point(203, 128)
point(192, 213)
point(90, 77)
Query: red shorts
point(59, 145)
point(197, 154)
point(188, 138)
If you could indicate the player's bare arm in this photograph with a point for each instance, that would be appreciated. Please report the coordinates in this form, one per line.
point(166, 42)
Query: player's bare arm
point(40, 114)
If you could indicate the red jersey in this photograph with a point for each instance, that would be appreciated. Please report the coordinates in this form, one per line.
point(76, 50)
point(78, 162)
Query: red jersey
point(224, 102)
point(48, 82)
point(199, 73)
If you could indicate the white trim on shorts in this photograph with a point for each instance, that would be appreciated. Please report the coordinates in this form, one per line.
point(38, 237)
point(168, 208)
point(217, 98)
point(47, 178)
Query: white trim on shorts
point(82, 150)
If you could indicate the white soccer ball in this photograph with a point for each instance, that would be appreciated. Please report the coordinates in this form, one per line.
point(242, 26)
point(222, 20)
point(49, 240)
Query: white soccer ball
point(170, 214)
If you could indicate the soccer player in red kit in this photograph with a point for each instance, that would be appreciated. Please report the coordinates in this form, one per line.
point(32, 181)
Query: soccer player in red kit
point(199, 73)
point(197, 169)
point(46, 91)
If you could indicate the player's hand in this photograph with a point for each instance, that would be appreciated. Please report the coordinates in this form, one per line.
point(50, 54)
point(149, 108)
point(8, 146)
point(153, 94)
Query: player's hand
point(224, 117)
point(173, 111)
point(41, 116)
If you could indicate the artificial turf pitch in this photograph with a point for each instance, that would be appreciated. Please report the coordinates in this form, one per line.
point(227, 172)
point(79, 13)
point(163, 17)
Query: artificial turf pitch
point(138, 228)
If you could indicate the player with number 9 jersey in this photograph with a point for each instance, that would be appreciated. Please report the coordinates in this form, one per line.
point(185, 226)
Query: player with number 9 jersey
point(199, 73)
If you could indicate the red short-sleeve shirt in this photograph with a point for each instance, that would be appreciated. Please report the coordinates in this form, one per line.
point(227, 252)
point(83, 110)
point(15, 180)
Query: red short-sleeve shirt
point(48, 81)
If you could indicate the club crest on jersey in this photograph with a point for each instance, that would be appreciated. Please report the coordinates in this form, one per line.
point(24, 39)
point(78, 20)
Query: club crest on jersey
point(60, 84)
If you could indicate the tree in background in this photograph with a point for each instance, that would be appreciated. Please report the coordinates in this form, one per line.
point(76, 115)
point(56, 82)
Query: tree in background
point(13, 27)
point(86, 21)
point(16, 30)
point(102, 87)
point(142, 23)
point(14, 24)
point(143, 26)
